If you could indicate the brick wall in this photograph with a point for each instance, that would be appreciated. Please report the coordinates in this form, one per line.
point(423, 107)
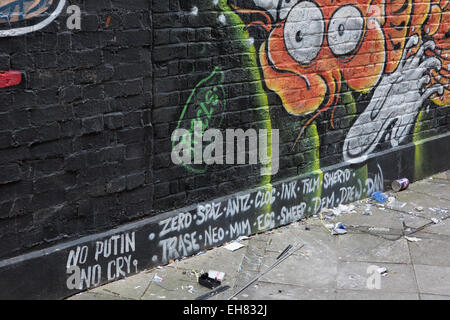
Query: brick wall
point(85, 138)
point(76, 134)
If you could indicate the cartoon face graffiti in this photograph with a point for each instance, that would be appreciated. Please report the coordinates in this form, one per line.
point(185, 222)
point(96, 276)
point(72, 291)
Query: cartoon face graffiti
point(313, 47)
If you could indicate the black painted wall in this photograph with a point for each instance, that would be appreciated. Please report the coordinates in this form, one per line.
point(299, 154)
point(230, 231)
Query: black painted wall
point(76, 134)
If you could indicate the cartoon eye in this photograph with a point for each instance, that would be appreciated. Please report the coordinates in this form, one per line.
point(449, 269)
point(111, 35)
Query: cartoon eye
point(285, 7)
point(345, 30)
point(303, 32)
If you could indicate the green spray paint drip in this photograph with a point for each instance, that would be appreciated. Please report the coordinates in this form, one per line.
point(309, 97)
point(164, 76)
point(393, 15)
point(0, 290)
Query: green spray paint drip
point(239, 33)
point(419, 135)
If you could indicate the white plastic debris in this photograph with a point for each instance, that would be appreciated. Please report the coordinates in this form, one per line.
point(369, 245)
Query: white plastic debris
point(435, 221)
point(233, 246)
point(339, 228)
point(368, 210)
point(394, 204)
point(217, 275)
point(157, 278)
point(343, 209)
point(412, 239)
point(383, 271)
point(379, 229)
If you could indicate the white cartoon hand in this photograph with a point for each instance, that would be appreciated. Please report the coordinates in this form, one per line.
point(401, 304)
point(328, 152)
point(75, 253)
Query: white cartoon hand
point(395, 104)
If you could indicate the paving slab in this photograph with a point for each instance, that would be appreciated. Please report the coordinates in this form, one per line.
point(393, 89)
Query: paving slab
point(276, 291)
point(317, 243)
point(433, 279)
point(369, 248)
point(379, 218)
point(433, 188)
point(442, 176)
point(132, 287)
point(354, 276)
point(425, 296)
point(441, 228)
point(178, 284)
point(430, 252)
point(309, 270)
point(375, 295)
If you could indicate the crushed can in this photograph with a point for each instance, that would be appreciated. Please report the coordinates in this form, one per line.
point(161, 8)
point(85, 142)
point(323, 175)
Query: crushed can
point(400, 184)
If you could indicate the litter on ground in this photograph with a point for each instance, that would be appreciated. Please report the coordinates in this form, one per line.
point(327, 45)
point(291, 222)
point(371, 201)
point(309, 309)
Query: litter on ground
point(233, 246)
point(412, 239)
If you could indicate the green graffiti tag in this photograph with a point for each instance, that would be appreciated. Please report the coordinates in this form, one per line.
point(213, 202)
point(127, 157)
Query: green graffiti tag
point(207, 104)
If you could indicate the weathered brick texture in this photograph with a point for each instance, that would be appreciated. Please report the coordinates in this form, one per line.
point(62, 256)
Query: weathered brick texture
point(76, 134)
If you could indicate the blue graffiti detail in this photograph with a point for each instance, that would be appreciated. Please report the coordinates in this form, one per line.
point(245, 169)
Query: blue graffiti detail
point(18, 10)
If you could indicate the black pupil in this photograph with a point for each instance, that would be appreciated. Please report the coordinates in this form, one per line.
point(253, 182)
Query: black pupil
point(341, 29)
point(299, 36)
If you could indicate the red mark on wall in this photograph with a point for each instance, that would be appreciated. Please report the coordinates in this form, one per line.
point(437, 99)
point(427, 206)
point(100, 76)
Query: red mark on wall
point(10, 78)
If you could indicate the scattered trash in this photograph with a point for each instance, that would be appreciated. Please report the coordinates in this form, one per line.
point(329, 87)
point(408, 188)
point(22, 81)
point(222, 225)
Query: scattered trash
point(394, 204)
point(436, 221)
point(412, 239)
point(420, 209)
point(339, 228)
point(307, 228)
point(217, 275)
point(242, 238)
point(383, 271)
point(368, 210)
point(157, 278)
point(233, 246)
point(189, 288)
point(276, 263)
point(343, 209)
point(400, 184)
point(208, 282)
point(379, 197)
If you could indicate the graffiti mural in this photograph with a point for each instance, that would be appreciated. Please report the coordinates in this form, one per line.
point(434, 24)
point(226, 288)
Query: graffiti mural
point(206, 104)
point(14, 11)
point(396, 52)
point(17, 11)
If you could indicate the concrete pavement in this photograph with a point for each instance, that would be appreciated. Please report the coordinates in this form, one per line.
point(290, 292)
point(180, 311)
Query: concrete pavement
point(410, 237)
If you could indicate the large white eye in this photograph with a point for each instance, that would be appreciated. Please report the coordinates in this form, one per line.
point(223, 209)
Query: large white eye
point(285, 7)
point(303, 32)
point(345, 30)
